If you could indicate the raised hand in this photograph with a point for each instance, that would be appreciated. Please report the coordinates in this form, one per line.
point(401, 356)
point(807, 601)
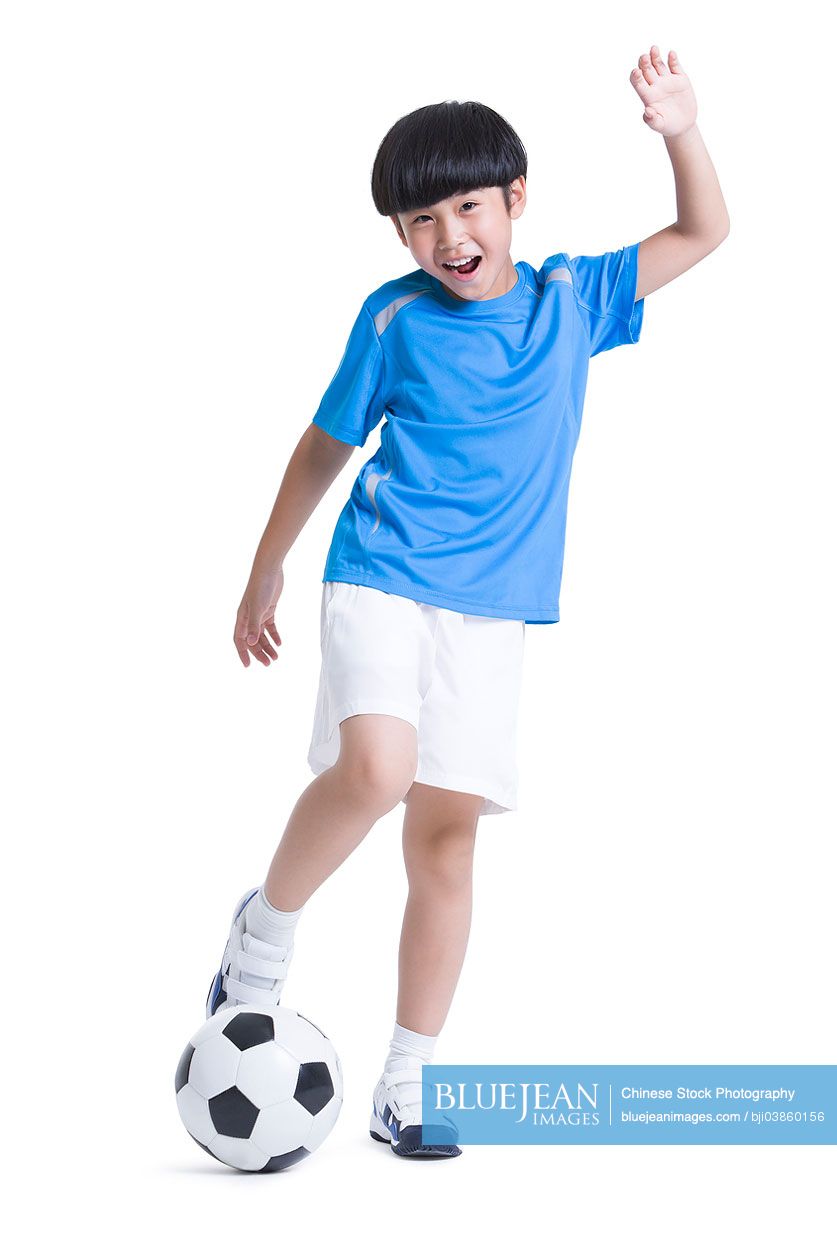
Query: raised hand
point(670, 105)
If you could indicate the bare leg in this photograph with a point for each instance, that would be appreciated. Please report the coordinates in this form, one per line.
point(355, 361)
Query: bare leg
point(378, 756)
point(440, 828)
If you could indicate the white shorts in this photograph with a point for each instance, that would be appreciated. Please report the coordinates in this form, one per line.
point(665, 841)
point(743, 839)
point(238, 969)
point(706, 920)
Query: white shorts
point(455, 677)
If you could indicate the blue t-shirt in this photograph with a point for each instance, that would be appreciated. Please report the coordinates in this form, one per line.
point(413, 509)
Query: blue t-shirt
point(464, 504)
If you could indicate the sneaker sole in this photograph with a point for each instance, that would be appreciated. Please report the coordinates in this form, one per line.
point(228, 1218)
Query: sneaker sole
point(218, 979)
point(379, 1131)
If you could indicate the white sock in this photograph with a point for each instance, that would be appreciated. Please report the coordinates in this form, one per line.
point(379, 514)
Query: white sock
point(415, 1048)
point(406, 1044)
point(267, 923)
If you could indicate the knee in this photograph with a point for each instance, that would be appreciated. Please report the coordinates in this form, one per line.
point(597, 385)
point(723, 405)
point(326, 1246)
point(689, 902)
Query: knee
point(379, 775)
point(443, 860)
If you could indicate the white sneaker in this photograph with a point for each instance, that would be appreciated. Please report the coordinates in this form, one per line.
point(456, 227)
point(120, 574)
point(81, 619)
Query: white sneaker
point(245, 955)
point(396, 1117)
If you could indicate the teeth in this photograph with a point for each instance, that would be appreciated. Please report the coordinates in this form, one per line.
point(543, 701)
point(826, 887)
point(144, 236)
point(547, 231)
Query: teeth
point(463, 261)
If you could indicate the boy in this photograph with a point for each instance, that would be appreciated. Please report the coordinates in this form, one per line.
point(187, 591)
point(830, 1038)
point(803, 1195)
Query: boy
point(450, 543)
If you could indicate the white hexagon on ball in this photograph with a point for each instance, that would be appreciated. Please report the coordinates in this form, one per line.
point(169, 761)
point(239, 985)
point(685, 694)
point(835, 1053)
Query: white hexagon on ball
point(215, 1066)
point(282, 1127)
point(267, 1074)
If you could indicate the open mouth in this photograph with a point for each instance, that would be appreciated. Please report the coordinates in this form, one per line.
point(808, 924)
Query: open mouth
point(464, 271)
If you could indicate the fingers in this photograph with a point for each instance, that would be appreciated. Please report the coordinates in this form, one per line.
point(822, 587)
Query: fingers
point(265, 645)
point(657, 61)
point(261, 646)
point(261, 649)
point(257, 644)
point(647, 70)
point(271, 627)
point(264, 651)
point(638, 81)
point(249, 640)
point(240, 642)
point(240, 635)
point(651, 67)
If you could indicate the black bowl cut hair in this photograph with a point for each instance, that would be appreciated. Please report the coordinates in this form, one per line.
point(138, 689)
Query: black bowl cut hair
point(444, 150)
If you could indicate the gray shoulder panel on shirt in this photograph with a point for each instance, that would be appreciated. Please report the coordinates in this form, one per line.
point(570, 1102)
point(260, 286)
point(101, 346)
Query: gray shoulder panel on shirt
point(385, 316)
point(561, 273)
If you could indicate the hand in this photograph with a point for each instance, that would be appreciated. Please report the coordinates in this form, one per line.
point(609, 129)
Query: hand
point(255, 617)
point(670, 105)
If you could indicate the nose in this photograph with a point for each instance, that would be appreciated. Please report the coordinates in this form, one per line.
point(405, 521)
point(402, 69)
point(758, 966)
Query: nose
point(449, 231)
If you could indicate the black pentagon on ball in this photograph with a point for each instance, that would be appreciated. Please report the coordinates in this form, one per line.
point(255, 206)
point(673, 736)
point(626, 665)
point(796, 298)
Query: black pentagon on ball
point(314, 1087)
point(181, 1076)
point(249, 1028)
point(232, 1113)
point(278, 1162)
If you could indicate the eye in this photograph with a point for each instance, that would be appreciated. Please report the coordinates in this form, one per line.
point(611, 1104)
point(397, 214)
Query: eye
point(465, 206)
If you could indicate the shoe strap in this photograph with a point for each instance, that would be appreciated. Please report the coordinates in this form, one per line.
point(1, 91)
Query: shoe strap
point(259, 958)
point(250, 993)
point(404, 1093)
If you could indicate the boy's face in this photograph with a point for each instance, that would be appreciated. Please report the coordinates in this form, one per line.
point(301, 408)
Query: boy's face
point(474, 224)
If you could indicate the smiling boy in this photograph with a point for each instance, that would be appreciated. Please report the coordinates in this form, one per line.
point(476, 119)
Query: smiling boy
point(452, 539)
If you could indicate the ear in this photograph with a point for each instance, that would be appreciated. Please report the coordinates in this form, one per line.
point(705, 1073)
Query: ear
point(518, 197)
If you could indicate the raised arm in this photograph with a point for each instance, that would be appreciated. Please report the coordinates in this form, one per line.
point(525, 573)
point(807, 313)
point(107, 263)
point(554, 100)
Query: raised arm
point(702, 218)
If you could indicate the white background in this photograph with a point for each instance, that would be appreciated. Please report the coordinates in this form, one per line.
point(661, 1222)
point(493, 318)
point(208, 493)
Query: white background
point(187, 236)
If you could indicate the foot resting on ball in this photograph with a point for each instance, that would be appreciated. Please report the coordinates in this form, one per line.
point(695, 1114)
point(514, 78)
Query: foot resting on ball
point(252, 971)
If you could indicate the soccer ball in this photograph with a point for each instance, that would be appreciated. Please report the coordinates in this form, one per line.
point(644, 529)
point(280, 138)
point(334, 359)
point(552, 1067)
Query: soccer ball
point(259, 1087)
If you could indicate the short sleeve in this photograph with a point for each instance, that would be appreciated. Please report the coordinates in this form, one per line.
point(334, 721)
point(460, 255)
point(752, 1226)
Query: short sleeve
point(605, 291)
point(352, 404)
